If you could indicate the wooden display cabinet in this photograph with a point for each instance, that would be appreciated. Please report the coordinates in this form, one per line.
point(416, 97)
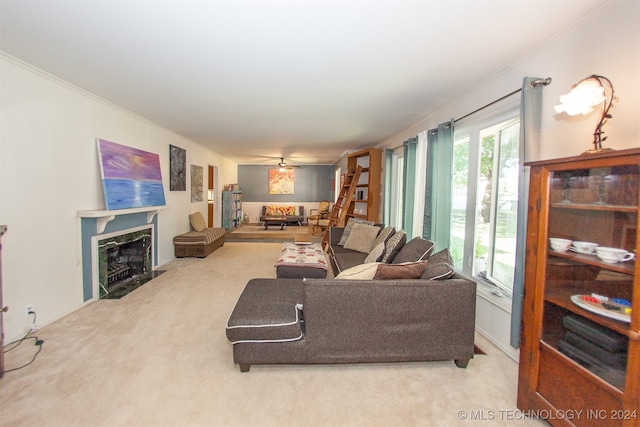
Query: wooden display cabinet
point(590, 198)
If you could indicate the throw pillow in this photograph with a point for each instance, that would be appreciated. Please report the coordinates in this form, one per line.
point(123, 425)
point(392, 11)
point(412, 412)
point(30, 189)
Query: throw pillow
point(406, 270)
point(376, 253)
point(359, 272)
point(289, 210)
point(270, 211)
point(197, 221)
point(414, 250)
point(384, 235)
point(440, 266)
point(393, 246)
point(349, 226)
point(361, 238)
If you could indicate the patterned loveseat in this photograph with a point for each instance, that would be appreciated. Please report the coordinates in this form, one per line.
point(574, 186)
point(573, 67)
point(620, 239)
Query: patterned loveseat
point(294, 214)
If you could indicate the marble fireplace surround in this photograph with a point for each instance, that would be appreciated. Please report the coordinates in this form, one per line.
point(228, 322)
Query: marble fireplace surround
point(99, 224)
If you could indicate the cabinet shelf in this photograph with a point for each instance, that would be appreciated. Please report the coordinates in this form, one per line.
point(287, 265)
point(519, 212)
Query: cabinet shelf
point(627, 267)
point(354, 215)
point(561, 297)
point(595, 207)
point(572, 368)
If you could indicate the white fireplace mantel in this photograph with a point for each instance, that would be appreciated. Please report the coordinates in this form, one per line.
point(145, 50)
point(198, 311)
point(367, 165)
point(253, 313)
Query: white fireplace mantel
point(104, 216)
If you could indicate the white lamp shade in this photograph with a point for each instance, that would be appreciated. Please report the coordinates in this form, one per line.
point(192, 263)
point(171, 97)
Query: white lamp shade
point(582, 98)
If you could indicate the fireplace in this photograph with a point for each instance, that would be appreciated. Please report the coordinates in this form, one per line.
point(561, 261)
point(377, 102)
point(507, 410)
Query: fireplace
point(122, 258)
point(119, 250)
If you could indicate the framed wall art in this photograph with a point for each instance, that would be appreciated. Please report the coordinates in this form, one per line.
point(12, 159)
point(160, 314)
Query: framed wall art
point(281, 181)
point(197, 188)
point(177, 168)
point(131, 178)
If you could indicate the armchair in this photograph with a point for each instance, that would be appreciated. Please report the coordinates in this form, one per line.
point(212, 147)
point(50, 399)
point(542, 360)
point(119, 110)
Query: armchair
point(320, 217)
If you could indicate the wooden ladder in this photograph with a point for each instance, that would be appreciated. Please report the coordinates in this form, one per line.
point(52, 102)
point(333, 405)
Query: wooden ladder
point(340, 209)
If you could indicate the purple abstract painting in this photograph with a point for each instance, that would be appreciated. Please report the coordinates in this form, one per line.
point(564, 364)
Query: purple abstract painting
point(131, 178)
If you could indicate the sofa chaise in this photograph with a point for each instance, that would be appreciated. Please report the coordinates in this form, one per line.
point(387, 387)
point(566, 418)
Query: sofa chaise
point(359, 316)
point(200, 241)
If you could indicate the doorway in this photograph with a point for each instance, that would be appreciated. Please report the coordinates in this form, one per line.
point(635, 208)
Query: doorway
point(211, 194)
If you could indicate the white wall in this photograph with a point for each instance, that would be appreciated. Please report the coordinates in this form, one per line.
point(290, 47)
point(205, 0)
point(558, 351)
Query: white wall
point(607, 43)
point(49, 170)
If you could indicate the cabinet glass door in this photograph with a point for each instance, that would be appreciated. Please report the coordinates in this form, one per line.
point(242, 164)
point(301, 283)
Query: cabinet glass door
point(590, 268)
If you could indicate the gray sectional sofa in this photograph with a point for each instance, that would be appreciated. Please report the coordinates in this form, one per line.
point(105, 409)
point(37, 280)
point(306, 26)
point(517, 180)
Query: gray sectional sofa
point(369, 319)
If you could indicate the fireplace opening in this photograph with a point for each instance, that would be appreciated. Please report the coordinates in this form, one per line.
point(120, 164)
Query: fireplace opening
point(125, 263)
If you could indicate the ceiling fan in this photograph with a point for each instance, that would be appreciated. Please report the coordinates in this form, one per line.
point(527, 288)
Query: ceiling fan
point(283, 164)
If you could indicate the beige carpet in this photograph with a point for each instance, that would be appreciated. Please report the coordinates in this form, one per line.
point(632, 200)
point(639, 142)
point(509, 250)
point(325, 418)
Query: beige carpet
point(159, 357)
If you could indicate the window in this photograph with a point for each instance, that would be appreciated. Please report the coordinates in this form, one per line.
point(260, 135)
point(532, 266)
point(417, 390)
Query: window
point(486, 164)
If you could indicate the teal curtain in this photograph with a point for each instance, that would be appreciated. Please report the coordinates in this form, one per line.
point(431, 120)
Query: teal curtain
point(530, 119)
point(437, 210)
point(409, 185)
point(386, 213)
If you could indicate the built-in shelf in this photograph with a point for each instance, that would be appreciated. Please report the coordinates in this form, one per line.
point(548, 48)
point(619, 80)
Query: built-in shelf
point(105, 216)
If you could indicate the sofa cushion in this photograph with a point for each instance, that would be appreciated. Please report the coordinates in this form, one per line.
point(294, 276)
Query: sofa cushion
point(360, 272)
point(439, 266)
point(268, 310)
point(279, 210)
point(197, 221)
point(203, 237)
point(361, 238)
point(405, 270)
point(393, 246)
point(384, 235)
point(414, 250)
point(349, 259)
point(376, 253)
point(335, 249)
point(349, 227)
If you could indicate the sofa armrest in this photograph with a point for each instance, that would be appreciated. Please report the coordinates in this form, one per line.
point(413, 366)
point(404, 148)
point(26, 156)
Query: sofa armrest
point(401, 320)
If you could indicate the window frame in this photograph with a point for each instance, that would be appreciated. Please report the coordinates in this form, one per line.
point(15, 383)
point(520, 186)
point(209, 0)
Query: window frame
point(507, 114)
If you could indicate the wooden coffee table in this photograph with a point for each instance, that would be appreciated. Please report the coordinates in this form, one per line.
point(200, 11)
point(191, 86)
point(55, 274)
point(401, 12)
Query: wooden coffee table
point(302, 239)
point(275, 220)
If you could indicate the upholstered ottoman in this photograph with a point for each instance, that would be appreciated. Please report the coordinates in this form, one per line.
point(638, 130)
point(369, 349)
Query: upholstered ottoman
point(266, 324)
point(300, 261)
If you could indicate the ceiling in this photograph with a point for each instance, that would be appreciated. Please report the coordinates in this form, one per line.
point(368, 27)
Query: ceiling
point(257, 80)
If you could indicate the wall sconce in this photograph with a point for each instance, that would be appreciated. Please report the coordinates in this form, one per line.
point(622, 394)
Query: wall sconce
point(210, 196)
point(585, 95)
